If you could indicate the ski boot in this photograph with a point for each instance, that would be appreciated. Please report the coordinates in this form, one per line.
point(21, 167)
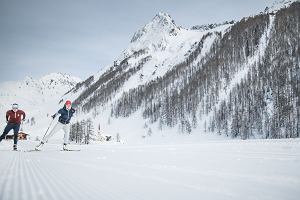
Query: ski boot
point(15, 147)
point(39, 146)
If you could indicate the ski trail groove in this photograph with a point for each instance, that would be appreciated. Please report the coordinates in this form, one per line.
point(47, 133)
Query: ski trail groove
point(65, 184)
point(34, 183)
point(4, 178)
point(92, 187)
point(37, 183)
point(45, 188)
point(51, 185)
point(130, 173)
point(6, 185)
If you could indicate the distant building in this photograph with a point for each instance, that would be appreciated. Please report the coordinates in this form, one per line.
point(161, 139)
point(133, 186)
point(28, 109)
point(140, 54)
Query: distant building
point(21, 136)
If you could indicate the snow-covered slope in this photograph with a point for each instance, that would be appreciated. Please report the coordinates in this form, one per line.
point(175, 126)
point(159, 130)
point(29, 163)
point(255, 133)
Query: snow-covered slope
point(167, 45)
point(37, 97)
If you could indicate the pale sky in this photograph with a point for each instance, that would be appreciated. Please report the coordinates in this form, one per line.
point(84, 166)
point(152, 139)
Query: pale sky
point(79, 37)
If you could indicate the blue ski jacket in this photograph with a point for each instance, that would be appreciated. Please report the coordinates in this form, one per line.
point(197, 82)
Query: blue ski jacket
point(65, 115)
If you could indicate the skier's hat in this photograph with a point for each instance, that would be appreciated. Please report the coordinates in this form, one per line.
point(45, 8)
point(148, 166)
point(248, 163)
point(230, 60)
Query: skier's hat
point(68, 102)
point(15, 106)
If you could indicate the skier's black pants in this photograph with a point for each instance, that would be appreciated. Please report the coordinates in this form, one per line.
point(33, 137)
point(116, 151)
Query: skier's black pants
point(9, 126)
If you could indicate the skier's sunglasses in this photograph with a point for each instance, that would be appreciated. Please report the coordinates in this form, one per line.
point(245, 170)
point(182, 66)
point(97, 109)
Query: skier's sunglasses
point(15, 107)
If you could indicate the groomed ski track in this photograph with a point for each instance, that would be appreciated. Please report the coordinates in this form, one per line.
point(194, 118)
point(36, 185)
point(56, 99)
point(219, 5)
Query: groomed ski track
point(225, 169)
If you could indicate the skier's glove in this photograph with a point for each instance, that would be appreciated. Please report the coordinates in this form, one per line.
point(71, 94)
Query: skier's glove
point(53, 116)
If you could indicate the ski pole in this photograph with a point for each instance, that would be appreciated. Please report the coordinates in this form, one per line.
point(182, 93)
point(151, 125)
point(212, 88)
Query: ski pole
point(48, 129)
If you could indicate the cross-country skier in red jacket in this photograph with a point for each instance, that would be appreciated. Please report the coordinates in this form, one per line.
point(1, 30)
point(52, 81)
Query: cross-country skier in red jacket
point(13, 119)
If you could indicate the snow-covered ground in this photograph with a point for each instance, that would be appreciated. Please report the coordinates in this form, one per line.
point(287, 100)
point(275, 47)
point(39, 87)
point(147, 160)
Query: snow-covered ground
point(209, 169)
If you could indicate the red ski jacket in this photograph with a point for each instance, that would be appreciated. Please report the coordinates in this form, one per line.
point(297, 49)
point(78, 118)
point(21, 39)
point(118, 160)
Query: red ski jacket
point(15, 117)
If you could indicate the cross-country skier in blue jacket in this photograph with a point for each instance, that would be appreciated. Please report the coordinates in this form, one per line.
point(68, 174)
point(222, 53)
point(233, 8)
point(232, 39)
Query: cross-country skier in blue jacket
point(66, 113)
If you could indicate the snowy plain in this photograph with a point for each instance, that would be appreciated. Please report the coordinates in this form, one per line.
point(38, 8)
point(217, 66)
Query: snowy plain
point(207, 169)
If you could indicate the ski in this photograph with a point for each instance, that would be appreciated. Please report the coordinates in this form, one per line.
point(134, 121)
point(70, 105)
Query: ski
point(70, 150)
point(37, 150)
point(32, 150)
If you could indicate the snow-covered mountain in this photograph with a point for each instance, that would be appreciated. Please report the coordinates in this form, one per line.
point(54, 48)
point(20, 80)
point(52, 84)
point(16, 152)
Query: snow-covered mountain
point(38, 97)
point(279, 4)
point(223, 79)
point(154, 50)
